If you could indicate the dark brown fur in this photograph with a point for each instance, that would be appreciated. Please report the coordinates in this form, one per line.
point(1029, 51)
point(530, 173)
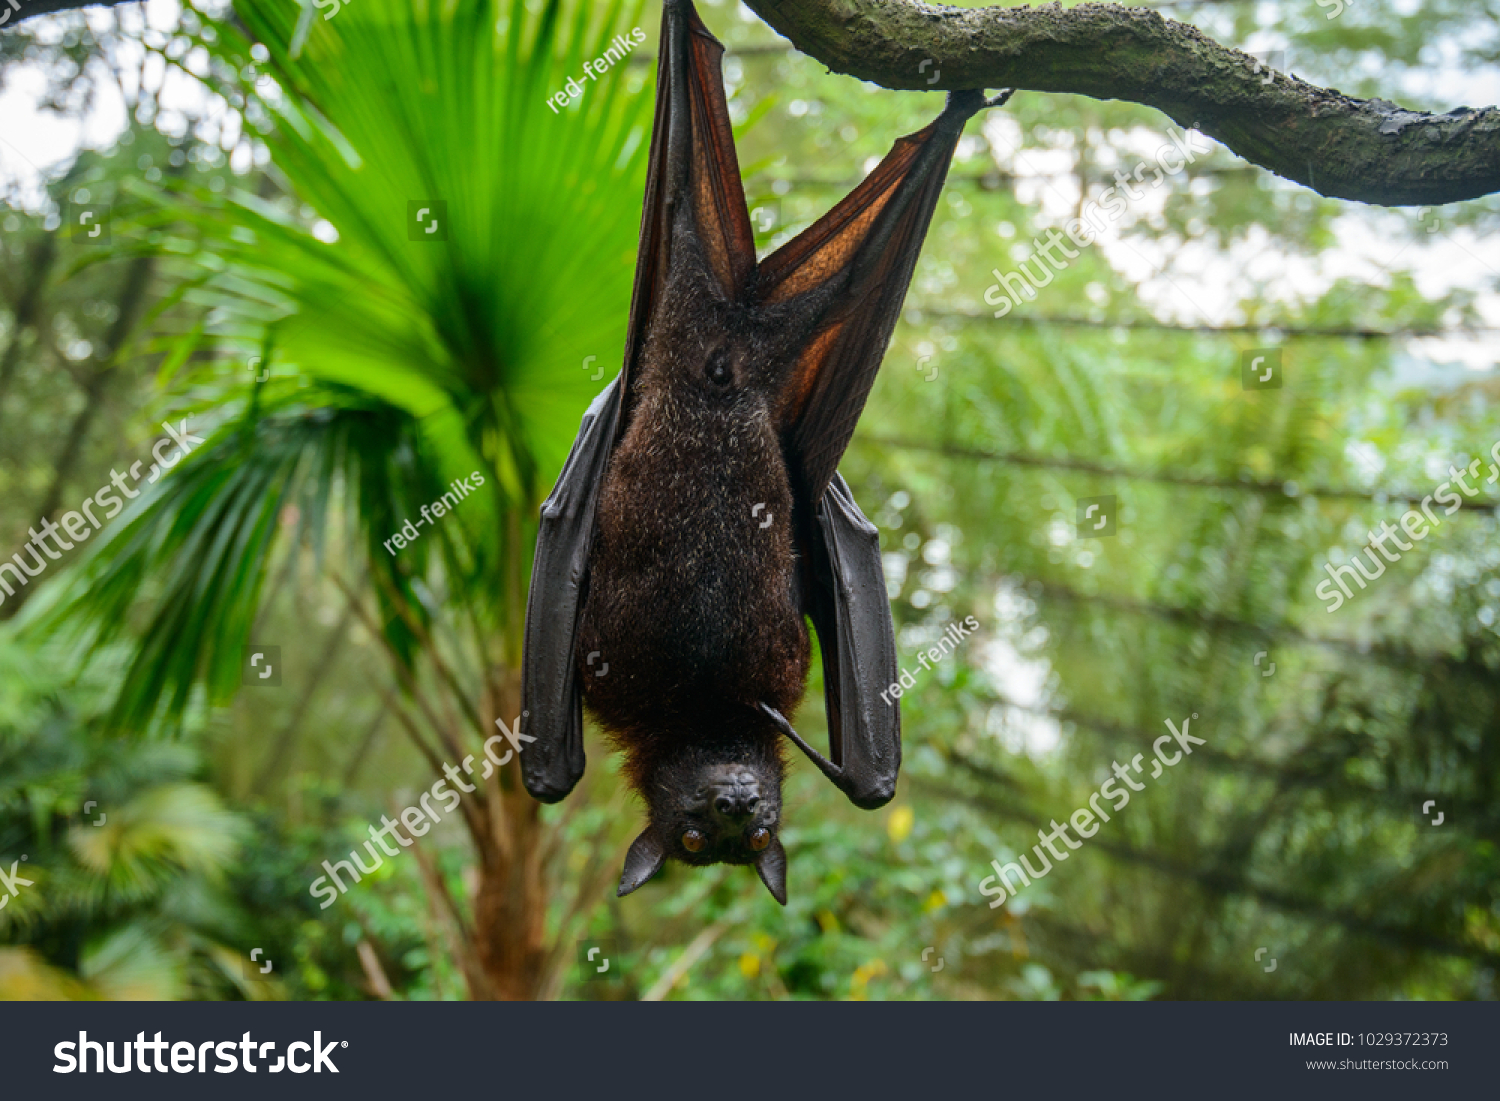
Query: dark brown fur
point(690, 598)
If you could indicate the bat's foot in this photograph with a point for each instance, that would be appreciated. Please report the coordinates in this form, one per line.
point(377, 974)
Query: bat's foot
point(965, 104)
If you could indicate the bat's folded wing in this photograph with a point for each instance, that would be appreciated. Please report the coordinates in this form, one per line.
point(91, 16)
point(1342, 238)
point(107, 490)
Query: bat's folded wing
point(840, 283)
point(852, 615)
point(551, 699)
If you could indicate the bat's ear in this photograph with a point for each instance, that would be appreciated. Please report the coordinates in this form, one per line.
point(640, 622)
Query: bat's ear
point(644, 860)
point(772, 869)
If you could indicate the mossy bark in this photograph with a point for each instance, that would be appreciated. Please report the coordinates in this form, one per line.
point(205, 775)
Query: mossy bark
point(1371, 151)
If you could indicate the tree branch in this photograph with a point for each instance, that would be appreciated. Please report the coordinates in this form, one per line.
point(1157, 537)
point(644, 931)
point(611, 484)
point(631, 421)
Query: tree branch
point(1368, 150)
point(1371, 151)
point(684, 963)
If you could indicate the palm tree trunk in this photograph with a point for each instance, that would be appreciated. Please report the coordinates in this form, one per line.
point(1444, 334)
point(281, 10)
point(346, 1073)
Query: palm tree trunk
point(510, 905)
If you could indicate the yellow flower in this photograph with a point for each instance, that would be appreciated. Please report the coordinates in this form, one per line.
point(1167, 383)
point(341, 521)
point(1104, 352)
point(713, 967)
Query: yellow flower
point(900, 824)
point(862, 976)
point(749, 965)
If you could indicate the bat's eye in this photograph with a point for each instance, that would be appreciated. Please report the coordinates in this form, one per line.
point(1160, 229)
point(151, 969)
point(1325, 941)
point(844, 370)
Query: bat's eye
point(760, 838)
point(718, 371)
point(693, 841)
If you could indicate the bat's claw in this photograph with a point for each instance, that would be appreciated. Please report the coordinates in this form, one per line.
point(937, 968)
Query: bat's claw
point(827, 767)
point(965, 104)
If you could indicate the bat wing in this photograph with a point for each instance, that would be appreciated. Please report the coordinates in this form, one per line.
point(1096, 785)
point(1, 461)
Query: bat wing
point(841, 588)
point(848, 273)
point(694, 196)
point(851, 612)
point(843, 280)
point(551, 699)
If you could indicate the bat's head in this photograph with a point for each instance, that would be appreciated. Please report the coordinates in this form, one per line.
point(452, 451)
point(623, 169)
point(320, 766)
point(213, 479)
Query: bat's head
point(712, 804)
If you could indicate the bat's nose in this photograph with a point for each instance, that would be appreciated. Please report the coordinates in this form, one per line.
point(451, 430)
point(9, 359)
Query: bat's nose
point(738, 802)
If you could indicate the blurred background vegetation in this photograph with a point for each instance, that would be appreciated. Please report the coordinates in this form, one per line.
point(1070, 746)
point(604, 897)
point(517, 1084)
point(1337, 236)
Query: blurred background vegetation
point(260, 281)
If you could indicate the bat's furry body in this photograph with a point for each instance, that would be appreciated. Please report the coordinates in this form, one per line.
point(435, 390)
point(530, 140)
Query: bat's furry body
point(691, 597)
point(700, 521)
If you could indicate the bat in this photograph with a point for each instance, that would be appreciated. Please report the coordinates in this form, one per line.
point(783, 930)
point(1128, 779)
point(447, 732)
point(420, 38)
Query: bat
point(700, 521)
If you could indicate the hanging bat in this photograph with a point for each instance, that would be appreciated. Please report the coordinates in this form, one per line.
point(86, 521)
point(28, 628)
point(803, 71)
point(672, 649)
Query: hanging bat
point(700, 520)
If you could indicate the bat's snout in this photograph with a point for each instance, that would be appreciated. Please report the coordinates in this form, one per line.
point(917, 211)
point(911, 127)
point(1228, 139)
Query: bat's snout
point(739, 803)
point(736, 795)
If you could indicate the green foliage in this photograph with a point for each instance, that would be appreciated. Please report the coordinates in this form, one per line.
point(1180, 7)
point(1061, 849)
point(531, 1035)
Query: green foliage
point(384, 367)
point(317, 950)
point(127, 849)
